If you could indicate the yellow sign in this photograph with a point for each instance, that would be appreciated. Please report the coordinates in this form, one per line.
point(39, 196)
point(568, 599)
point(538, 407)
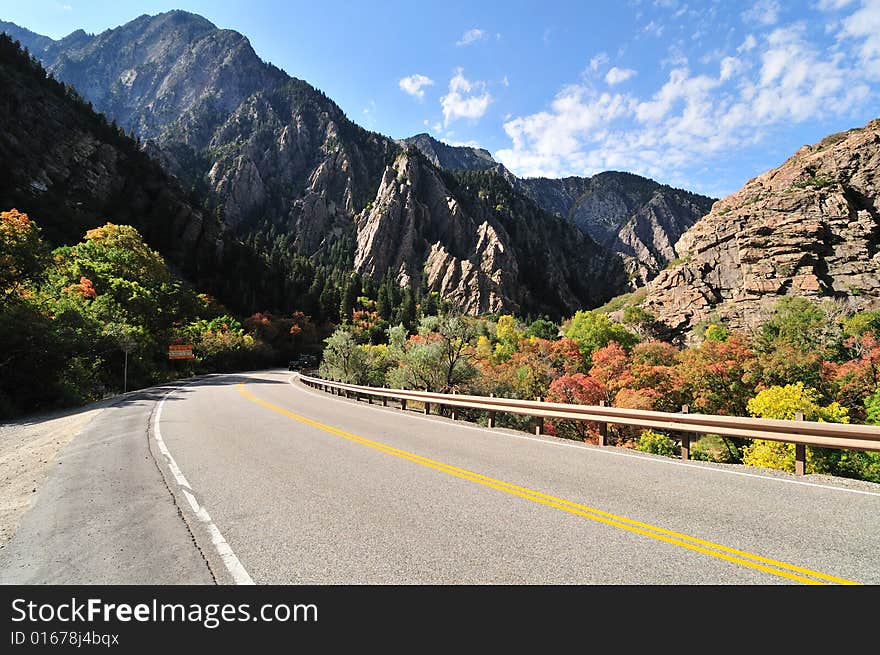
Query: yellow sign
point(180, 352)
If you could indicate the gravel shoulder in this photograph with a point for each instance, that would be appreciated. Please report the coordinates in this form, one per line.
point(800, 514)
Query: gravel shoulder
point(29, 449)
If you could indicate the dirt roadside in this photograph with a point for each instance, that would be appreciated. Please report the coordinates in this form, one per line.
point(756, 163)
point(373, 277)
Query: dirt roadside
point(29, 449)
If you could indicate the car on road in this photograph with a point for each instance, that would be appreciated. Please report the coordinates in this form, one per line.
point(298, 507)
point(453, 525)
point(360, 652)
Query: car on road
point(301, 362)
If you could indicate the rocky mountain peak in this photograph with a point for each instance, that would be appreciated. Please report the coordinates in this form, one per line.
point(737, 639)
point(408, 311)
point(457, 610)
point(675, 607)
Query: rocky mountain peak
point(453, 158)
point(808, 228)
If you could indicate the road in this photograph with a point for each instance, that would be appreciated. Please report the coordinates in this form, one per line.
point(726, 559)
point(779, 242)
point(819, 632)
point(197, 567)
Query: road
point(257, 478)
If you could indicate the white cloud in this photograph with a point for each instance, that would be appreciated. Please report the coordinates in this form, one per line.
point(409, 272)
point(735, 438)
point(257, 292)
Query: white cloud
point(413, 85)
point(864, 24)
point(748, 45)
point(369, 113)
point(465, 99)
point(654, 28)
point(693, 119)
point(763, 12)
point(472, 36)
point(462, 144)
point(599, 61)
point(832, 5)
point(617, 75)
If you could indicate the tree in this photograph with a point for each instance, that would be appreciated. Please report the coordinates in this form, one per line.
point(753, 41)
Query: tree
point(543, 328)
point(507, 336)
point(857, 378)
point(798, 322)
point(435, 360)
point(343, 359)
point(22, 253)
point(577, 389)
point(713, 376)
point(785, 403)
point(592, 330)
point(350, 293)
point(872, 407)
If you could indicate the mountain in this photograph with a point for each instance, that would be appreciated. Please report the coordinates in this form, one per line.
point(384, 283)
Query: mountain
point(71, 171)
point(808, 228)
point(453, 158)
point(482, 245)
point(280, 162)
point(631, 215)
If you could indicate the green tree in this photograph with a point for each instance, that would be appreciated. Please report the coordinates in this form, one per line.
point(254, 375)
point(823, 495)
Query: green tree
point(435, 360)
point(591, 330)
point(344, 360)
point(543, 328)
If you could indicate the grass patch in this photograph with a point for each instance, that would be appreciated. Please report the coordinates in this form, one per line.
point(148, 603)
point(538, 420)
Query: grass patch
point(623, 301)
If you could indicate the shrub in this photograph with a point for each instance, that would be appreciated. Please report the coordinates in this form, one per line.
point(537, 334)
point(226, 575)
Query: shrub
point(657, 443)
point(784, 403)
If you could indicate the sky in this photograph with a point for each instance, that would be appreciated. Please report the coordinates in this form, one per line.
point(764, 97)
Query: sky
point(702, 95)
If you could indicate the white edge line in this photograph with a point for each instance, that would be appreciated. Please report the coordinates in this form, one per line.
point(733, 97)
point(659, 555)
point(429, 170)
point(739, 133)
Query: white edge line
point(224, 550)
point(596, 449)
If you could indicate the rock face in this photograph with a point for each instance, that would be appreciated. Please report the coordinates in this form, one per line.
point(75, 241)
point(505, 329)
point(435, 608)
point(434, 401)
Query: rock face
point(268, 150)
point(634, 216)
point(626, 213)
point(479, 243)
point(808, 228)
point(453, 158)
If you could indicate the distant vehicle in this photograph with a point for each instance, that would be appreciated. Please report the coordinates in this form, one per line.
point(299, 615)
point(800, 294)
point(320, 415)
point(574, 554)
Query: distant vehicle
point(302, 362)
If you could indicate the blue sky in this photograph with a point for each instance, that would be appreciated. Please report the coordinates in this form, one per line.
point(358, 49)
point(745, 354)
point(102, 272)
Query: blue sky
point(698, 94)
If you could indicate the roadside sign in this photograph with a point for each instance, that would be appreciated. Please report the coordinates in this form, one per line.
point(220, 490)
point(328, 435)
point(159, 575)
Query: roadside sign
point(180, 351)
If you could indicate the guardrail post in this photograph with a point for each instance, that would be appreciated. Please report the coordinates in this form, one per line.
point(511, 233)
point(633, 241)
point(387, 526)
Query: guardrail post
point(403, 404)
point(453, 410)
point(539, 421)
point(427, 404)
point(491, 414)
point(686, 437)
point(603, 429)
point(369, 399)
point(384, 401)
point(800, 452)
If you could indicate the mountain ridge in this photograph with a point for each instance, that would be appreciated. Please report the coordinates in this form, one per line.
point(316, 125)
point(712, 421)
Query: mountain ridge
point(809, 228)
point(273, 155)
point(634, 216)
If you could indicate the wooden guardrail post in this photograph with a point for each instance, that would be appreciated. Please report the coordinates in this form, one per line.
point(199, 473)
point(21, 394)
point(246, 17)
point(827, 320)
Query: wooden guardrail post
point(491, 422)
point(539, 421)
point(403, 404)
point(453, 410)
point(603, 429)
point(800, 452)
point(685, 437)
point(384, 401)
point(427, 404)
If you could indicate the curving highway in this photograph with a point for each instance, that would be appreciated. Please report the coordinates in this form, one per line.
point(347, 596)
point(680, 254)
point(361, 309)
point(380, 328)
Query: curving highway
point(257, 478)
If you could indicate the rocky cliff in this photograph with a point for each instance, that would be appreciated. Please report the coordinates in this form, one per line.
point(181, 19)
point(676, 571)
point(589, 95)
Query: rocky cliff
point(479, 243)
point(453, 158)
point(632, 215)
point(629, 214)
point(808, 228)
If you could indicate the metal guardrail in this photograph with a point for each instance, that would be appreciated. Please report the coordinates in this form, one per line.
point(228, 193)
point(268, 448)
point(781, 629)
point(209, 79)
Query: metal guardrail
point(801, 433)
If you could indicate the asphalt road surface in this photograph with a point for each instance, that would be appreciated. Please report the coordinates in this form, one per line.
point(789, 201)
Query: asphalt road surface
point(257, 478)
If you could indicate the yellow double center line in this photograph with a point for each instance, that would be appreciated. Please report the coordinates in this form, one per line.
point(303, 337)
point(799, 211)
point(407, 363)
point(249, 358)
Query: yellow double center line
point(743, 558)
